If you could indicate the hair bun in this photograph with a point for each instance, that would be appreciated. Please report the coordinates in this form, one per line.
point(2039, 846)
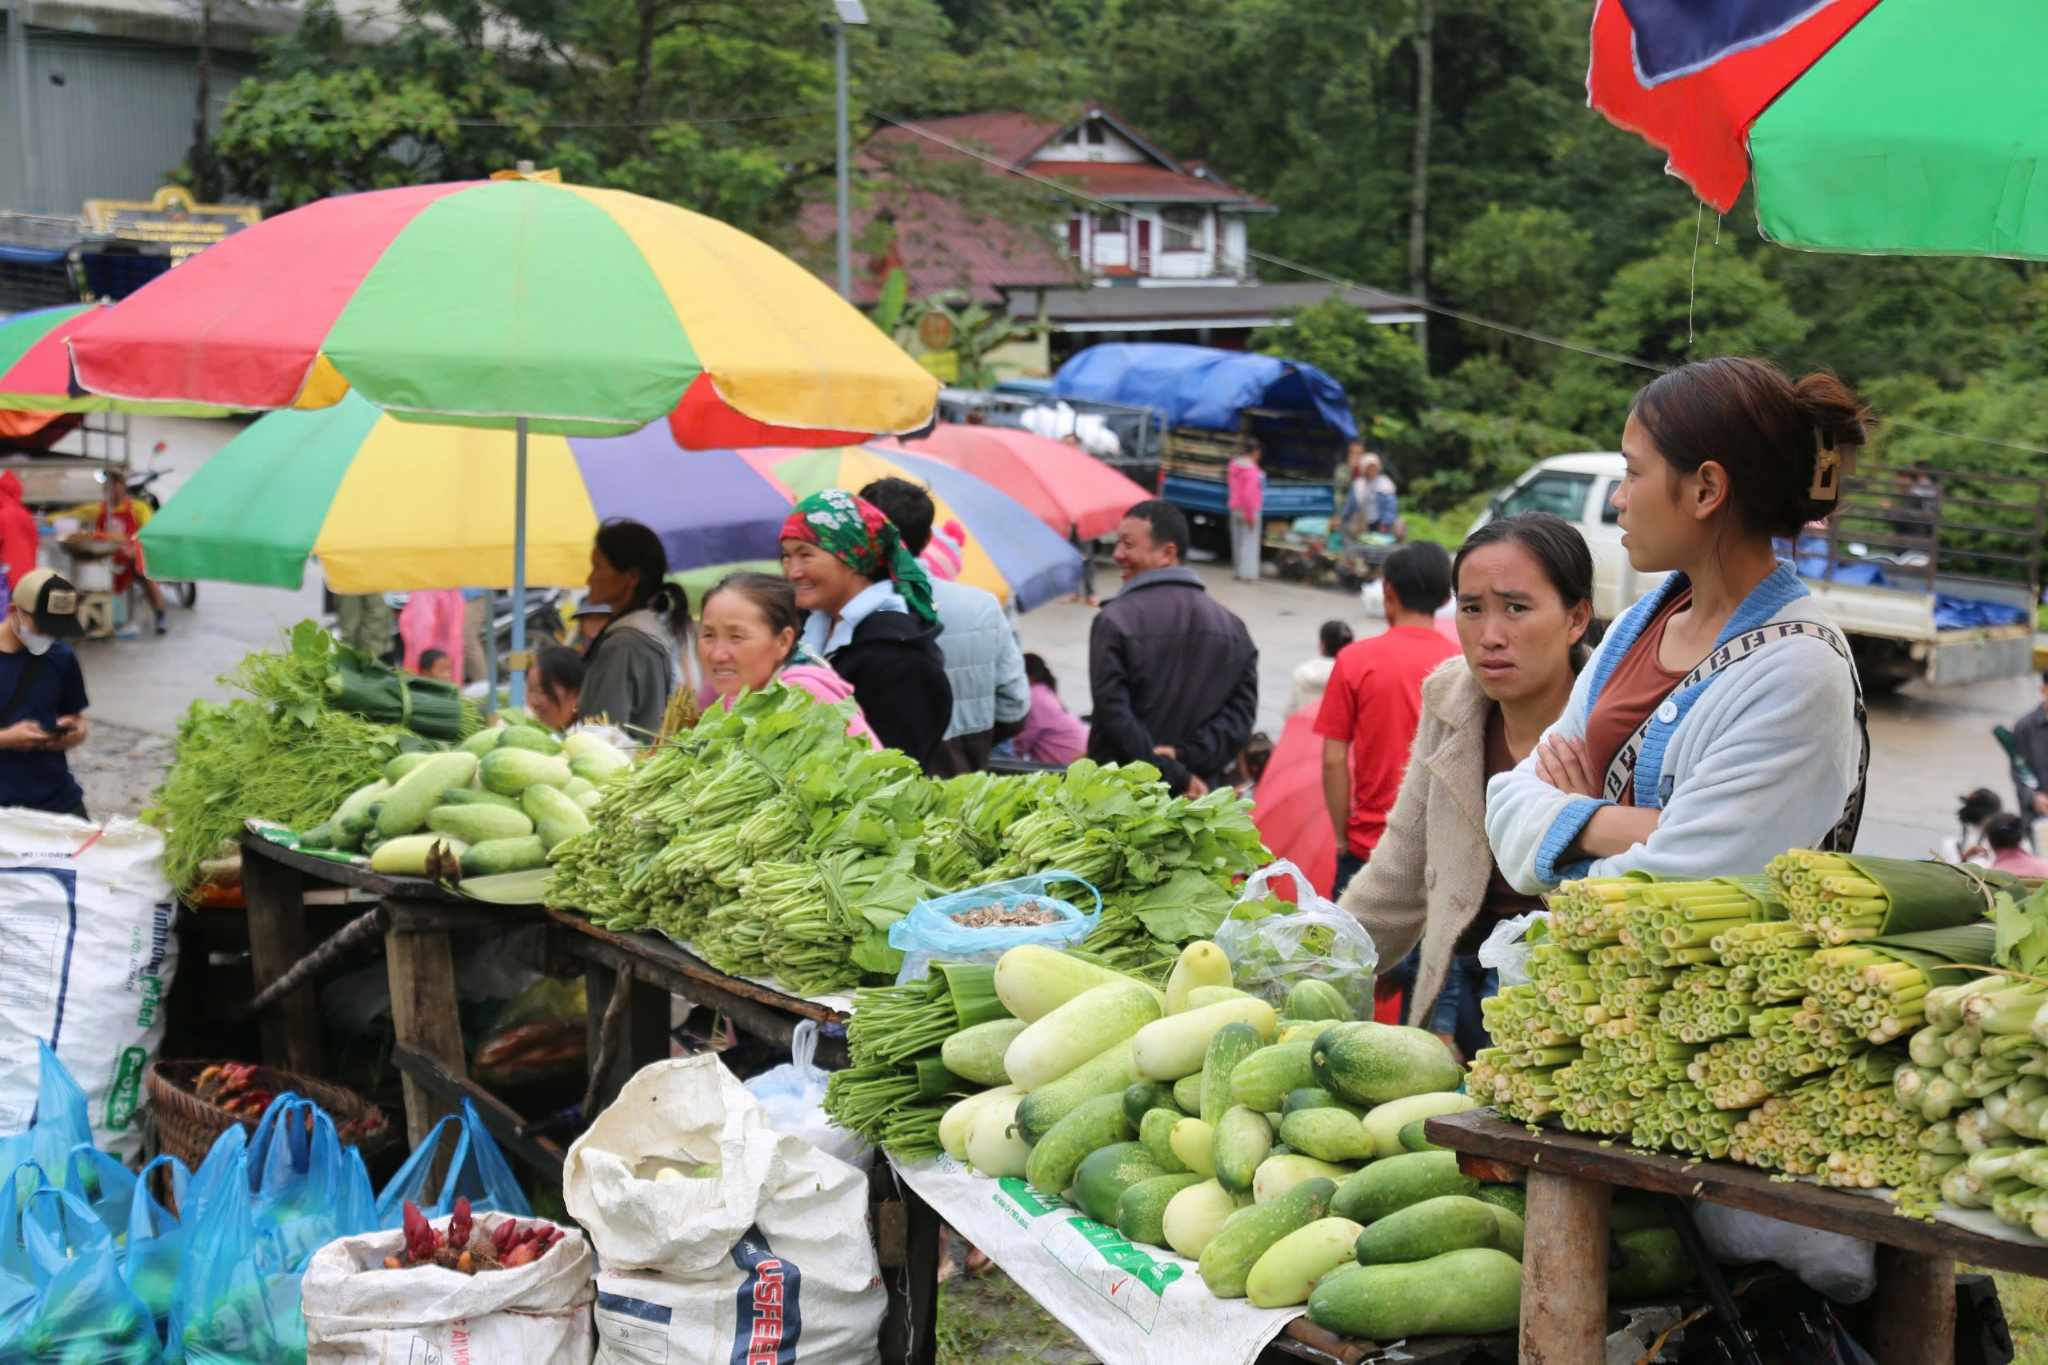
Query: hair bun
point(1838, 417)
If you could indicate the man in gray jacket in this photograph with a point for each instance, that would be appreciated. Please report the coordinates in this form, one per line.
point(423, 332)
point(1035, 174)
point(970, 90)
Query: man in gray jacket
point(1173, 672)
point(991, 696)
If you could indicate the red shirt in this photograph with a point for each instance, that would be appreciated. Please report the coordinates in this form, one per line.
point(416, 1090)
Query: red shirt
point(1373, 703)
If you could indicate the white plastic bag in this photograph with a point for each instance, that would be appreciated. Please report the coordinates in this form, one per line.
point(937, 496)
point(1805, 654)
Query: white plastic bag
point(1506, 949)
point(1832, 1263)
point(88, 955)
point(757, 1246)
point(358, 1311)
point(792, 1099)
point(1315, 941)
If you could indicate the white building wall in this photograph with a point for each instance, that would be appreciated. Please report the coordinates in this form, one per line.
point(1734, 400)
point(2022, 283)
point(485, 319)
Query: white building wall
point(1113, 148)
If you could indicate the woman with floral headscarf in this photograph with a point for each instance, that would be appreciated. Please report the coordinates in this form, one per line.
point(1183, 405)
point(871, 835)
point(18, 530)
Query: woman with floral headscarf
point(871, 617)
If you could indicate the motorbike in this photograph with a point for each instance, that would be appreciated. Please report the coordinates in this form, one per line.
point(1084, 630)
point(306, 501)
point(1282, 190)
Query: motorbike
point(544, 619)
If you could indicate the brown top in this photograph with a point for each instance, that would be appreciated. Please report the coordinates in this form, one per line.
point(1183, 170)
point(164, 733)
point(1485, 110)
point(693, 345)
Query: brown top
point(1638, 684)
point(1501, 901)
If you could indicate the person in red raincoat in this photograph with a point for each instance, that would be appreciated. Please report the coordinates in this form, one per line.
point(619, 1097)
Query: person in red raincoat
point(17, 530)
point(122, 518)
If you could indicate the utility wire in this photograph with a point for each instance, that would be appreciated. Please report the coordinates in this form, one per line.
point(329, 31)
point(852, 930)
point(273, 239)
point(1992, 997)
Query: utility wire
point(1440, 310)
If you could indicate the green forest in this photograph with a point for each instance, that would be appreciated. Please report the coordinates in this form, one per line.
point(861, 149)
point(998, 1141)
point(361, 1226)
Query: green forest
point(1438, 148)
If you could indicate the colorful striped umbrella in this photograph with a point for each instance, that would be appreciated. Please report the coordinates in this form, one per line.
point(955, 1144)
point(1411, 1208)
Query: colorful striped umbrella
point(390, 506)
point(1910, 127)
point(1008, 551)
point(518, 303)
point(35, 368)
point(1064, 486)
point(575, 310)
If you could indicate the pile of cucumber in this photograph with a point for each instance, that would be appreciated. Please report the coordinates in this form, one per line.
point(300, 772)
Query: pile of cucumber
point(1279, 1149)
point(497, 803)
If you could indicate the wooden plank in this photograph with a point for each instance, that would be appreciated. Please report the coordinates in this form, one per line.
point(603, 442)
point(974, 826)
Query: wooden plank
point(421, 970)
point(1484, 1133)
point(256, 850)
point(415, 917)
point(543, 1154)
point(653, 952)
point(754, 1010)
point(1913, 1317)
point(277, 939)
point(1564, 1270)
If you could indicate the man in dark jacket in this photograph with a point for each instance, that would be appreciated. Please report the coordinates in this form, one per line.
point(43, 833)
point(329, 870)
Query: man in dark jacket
point(1174, 675)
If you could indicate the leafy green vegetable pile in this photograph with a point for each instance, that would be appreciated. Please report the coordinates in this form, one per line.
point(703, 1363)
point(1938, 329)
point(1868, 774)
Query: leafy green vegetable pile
point(773, 843)
point(279, 754)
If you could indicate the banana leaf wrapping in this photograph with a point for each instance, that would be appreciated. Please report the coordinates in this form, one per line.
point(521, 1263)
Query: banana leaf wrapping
point(359, 684)
point(1856, 897)
point(1937, 952)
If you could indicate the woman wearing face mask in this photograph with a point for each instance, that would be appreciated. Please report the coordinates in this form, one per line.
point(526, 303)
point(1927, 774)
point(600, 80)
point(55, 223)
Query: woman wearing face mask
point(42, 696)
point(1721, 721)
point(1523, 587)
point(747, 642)
point(632, 668)
point(870, 616)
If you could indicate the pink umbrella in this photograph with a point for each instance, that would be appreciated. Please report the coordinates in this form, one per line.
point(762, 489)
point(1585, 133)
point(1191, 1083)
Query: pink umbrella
point(1288, 806)
point(1064, 486)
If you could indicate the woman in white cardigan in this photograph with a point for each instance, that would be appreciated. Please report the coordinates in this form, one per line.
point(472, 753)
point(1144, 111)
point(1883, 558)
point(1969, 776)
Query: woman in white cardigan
point(1523, 598)
point(1721, 722)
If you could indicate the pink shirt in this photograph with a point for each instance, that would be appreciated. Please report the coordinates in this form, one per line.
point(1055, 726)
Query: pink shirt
point(1247, 487)
point(1050, 733)
point(433, 620)
point(822, 683)
point(2020, 863)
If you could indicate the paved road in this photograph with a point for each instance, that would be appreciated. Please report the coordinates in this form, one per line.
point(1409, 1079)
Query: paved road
point(1929, 745)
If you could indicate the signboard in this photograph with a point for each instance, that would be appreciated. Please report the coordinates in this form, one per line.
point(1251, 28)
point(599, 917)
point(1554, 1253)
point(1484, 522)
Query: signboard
point(944, 365)
point(171, 219)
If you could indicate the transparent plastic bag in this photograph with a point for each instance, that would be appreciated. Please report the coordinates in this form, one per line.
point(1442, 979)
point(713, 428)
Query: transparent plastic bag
point(792, 1099)
point(1832, 1263)
point(1506, 949)
point(1271, 949)
point(477, 1169)
point(929, 933)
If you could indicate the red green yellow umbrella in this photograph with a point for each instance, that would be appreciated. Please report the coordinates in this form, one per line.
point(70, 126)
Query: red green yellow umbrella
point(35, 367)
point(578, 311)
point(521, 303)
point(1911, 127)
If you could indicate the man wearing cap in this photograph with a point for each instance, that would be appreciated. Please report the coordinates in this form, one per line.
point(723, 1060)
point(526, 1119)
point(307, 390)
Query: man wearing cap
point(42, 716)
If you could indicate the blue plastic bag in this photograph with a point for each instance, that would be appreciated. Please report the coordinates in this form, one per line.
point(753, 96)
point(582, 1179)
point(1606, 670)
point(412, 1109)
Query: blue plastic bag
point(476, 1169)
point(929, 933)
point(262, 1205)
point(157, 1240)
point(59, 1123)
point(83, 1309)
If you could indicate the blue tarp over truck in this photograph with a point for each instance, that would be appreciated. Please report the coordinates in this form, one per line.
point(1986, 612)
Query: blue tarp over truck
point(1206, 397)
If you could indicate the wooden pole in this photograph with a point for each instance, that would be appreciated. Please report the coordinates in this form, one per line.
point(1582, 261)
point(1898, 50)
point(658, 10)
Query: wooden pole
point(1564, 1271)
point(1913, 1312)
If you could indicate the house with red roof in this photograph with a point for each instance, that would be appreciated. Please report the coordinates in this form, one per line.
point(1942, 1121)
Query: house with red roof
point(1143, 246)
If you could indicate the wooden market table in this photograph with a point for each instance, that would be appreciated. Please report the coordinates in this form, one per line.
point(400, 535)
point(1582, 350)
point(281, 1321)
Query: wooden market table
point(629, 979)
point(1571, 1181)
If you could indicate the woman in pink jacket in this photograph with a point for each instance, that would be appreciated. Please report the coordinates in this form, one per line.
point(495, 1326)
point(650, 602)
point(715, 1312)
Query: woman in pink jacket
point(1247, 502)
point(747, 641)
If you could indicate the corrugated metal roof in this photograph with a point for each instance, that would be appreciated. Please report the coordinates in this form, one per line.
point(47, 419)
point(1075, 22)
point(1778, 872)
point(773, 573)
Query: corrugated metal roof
point(943, 248)
point(1132, 182)
point(1010, 136)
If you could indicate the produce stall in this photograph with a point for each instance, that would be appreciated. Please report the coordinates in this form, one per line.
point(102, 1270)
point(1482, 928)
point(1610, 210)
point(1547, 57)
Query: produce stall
point(1571, 1180)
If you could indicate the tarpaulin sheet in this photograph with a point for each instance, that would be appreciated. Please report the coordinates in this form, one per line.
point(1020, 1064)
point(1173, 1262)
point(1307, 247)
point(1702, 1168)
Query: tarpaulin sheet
point(1201, 387)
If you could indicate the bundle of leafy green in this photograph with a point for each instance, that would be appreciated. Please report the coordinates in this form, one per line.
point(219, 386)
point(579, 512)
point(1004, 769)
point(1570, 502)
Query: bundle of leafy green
point(279, 754)
point(2022, 925)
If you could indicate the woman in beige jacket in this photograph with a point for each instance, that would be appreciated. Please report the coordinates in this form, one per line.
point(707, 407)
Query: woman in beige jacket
point(1524, 589)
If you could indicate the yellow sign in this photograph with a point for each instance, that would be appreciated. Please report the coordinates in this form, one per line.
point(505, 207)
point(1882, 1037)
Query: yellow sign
point(172, 218)
point(944, 364)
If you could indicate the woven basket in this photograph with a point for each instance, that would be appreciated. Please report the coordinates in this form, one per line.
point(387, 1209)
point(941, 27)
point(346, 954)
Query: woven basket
point(187, 1125)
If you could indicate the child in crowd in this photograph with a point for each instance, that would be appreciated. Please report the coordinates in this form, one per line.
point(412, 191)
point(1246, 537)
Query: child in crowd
point(1050, 733)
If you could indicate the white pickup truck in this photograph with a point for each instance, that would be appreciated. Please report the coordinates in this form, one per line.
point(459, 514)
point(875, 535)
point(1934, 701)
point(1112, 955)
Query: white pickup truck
point(1878, 566)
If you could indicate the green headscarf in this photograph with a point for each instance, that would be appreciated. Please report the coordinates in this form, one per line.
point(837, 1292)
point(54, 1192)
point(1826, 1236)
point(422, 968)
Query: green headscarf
point(857, 534)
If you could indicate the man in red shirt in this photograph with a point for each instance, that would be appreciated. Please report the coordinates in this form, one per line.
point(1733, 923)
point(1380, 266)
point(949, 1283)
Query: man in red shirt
point(1374, 700)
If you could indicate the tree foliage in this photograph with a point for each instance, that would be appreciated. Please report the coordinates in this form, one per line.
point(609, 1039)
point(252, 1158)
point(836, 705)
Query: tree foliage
point(1542, 216)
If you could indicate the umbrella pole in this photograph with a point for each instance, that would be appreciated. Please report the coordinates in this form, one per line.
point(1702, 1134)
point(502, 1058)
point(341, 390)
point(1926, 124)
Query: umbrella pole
point(518, 660)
